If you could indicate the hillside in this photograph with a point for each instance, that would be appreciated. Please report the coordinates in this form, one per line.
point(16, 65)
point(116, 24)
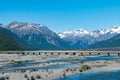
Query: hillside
point(9, 41)
point(36, 35)
point(112, 42)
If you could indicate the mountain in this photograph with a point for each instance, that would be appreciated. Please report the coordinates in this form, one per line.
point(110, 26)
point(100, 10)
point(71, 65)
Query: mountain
point(83, 38)
point(9, 41)
point(36, 35)
point(110, 43)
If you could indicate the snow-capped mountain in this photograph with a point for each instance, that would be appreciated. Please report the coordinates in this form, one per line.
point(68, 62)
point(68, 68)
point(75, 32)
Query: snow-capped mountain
point(36, 35)
point(83, 38)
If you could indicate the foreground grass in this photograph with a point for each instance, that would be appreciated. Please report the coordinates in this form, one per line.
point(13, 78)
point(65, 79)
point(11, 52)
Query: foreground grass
point(10, 52)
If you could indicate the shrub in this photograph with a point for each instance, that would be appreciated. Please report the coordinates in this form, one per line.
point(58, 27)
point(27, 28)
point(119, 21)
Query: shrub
point(64, 75)
point(23, 71)
point(32, 78)
point(38, 77)
point(25, 76)
point(18, 62)
point(15, 62)
point(85, 67)
point(80, 70)
point(28, 79)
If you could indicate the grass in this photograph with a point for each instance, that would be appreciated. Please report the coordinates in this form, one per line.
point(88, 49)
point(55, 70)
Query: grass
point(3, 51)
point(11, 51)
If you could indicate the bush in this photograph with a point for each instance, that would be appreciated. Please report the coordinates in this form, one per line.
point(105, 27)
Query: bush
point(64, 75)
point(38, 77)
point(80, 70)
point(32, 78)
point(18, 62)
point(85, 67)
point(25, 76)
point(23, 71)
point(15, 62)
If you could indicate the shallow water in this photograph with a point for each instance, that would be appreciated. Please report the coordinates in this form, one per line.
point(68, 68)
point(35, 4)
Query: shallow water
point(113, 75)
point(95, 58)
point(59, 60)
point(6, 69)
point(29, 65)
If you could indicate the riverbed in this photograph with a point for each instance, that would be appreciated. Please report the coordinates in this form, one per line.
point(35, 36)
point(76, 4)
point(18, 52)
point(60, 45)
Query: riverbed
point(59, 67)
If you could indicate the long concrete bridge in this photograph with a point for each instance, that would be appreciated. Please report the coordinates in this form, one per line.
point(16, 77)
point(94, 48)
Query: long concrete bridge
point(67, 52)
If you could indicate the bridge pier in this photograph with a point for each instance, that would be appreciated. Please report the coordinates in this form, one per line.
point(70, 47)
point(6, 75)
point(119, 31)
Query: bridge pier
point(81, 54)
point(108, 54)
point(74, 53)
point(58, 53)
point(98, 53)
point(89, 53)
point(66, 53)
point(33, 53)
point(23, 53)
point(52, 53)
point(27, 52)
point(118, 54)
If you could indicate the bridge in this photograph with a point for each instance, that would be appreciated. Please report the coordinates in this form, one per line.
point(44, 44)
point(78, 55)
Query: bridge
point(66, 52)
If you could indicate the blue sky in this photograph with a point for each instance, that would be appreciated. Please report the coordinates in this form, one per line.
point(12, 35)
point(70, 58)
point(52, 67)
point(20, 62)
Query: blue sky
point(62, 15)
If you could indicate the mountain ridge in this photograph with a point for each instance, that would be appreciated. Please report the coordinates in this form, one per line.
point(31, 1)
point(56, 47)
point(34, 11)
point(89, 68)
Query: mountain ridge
point(36, 35)
point(88, 37)
point(40, 37)
point(112, 42)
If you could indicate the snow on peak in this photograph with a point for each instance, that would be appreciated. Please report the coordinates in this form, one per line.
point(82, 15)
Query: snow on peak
point(24, 26)
point(78, 32)
point(95, 33)
point(115, 29)
point(89, 37)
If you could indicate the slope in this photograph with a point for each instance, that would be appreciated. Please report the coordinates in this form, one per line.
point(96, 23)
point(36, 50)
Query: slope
point(112, 42)
point(9, 41)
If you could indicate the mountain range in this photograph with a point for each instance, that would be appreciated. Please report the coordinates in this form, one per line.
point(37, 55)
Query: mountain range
point(31, 36)
point(84, 38)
